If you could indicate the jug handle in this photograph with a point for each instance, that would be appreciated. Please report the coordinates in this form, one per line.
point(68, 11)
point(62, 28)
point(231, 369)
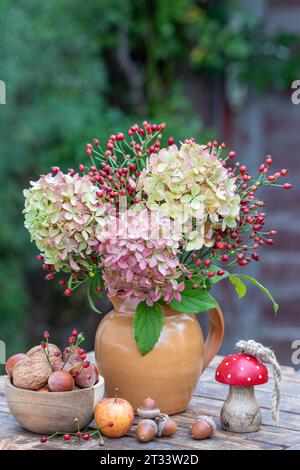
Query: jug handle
point(215, 335)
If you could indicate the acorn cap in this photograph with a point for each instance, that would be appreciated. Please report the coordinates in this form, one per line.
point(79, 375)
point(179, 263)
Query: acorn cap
point(148, 413)
point(210, 421)
point(161, 421)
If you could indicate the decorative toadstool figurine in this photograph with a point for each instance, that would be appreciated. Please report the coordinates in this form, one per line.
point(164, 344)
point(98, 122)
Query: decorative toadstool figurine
point(242, 371)
point(240, 412)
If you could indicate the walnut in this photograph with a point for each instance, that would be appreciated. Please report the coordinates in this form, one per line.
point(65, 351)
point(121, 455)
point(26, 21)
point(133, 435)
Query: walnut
point(38, 354)
point(31, 374)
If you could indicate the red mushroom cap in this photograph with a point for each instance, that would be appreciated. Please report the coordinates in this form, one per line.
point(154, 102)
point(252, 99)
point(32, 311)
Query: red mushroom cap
point(242, 370)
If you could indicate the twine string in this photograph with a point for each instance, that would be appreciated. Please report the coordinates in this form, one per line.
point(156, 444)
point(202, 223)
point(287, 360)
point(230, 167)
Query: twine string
point(266, 355)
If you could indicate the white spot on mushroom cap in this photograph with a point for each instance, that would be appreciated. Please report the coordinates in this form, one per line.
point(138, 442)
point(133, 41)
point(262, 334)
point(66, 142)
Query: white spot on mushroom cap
point(249, 379)
point(229, 376)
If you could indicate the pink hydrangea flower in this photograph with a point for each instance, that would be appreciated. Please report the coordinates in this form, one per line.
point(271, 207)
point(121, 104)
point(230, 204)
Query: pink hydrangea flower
point(139, 257)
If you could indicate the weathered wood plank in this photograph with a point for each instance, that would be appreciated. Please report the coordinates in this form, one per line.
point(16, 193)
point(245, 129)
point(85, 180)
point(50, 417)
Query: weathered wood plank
point(207, 405)
point(294, 447)
point(290, 403)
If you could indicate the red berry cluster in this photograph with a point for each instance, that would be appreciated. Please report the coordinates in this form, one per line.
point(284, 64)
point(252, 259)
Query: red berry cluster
point(117, 163)
point(73, 350)
point(239, 245)
point(77, 436)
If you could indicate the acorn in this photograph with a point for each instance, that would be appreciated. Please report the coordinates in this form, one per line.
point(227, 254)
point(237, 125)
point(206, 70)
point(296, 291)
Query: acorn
point(203, 428)
point(166, 426)
point(148, 409)
point(146, 430)
point(170, 428)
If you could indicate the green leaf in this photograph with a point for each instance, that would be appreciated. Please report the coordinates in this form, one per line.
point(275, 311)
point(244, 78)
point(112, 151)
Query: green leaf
point(70, 282)
point(214, 269)
point(240, 287)
point(263, 288)
point(147, 325)
point(194, 301)
point(90, 299)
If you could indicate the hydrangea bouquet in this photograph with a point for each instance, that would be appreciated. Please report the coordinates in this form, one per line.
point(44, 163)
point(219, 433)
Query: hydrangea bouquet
point(151, 224)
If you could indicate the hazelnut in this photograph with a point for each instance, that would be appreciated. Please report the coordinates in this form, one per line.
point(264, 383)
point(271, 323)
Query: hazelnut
point(85, 377)
point(60, 381)
point(146, 430)
point(71, 360)
point(57, 364)
point(30, 374)
point(12, 361)
point(70, 356)
point(148, 409)
point(203, 428)
point(43, 389)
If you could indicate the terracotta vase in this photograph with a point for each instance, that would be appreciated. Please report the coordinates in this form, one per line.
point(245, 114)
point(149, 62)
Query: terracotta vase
point(170, 372)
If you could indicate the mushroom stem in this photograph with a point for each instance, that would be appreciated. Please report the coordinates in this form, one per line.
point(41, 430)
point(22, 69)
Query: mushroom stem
point(240, 412)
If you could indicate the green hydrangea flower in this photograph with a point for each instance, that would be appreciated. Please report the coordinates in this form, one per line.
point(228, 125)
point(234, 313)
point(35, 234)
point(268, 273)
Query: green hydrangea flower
point(192, 186)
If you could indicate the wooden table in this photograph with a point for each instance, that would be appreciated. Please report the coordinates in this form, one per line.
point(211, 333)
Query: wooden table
point(208, 400)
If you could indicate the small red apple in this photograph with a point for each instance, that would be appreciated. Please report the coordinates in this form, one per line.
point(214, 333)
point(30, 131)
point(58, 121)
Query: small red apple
point(114, 416)
point(12, 361)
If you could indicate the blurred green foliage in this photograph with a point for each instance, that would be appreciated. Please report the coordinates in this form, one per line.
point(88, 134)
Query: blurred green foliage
point(226, 37)
point(74, 69)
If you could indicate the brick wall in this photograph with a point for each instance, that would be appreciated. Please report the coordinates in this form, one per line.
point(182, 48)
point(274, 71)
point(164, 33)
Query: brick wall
point(270, 124)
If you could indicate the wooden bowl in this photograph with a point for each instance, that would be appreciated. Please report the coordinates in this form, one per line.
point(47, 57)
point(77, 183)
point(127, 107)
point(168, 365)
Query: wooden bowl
point(50, 412)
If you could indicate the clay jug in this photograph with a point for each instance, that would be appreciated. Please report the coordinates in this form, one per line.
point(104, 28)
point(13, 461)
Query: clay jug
point(170, 372)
